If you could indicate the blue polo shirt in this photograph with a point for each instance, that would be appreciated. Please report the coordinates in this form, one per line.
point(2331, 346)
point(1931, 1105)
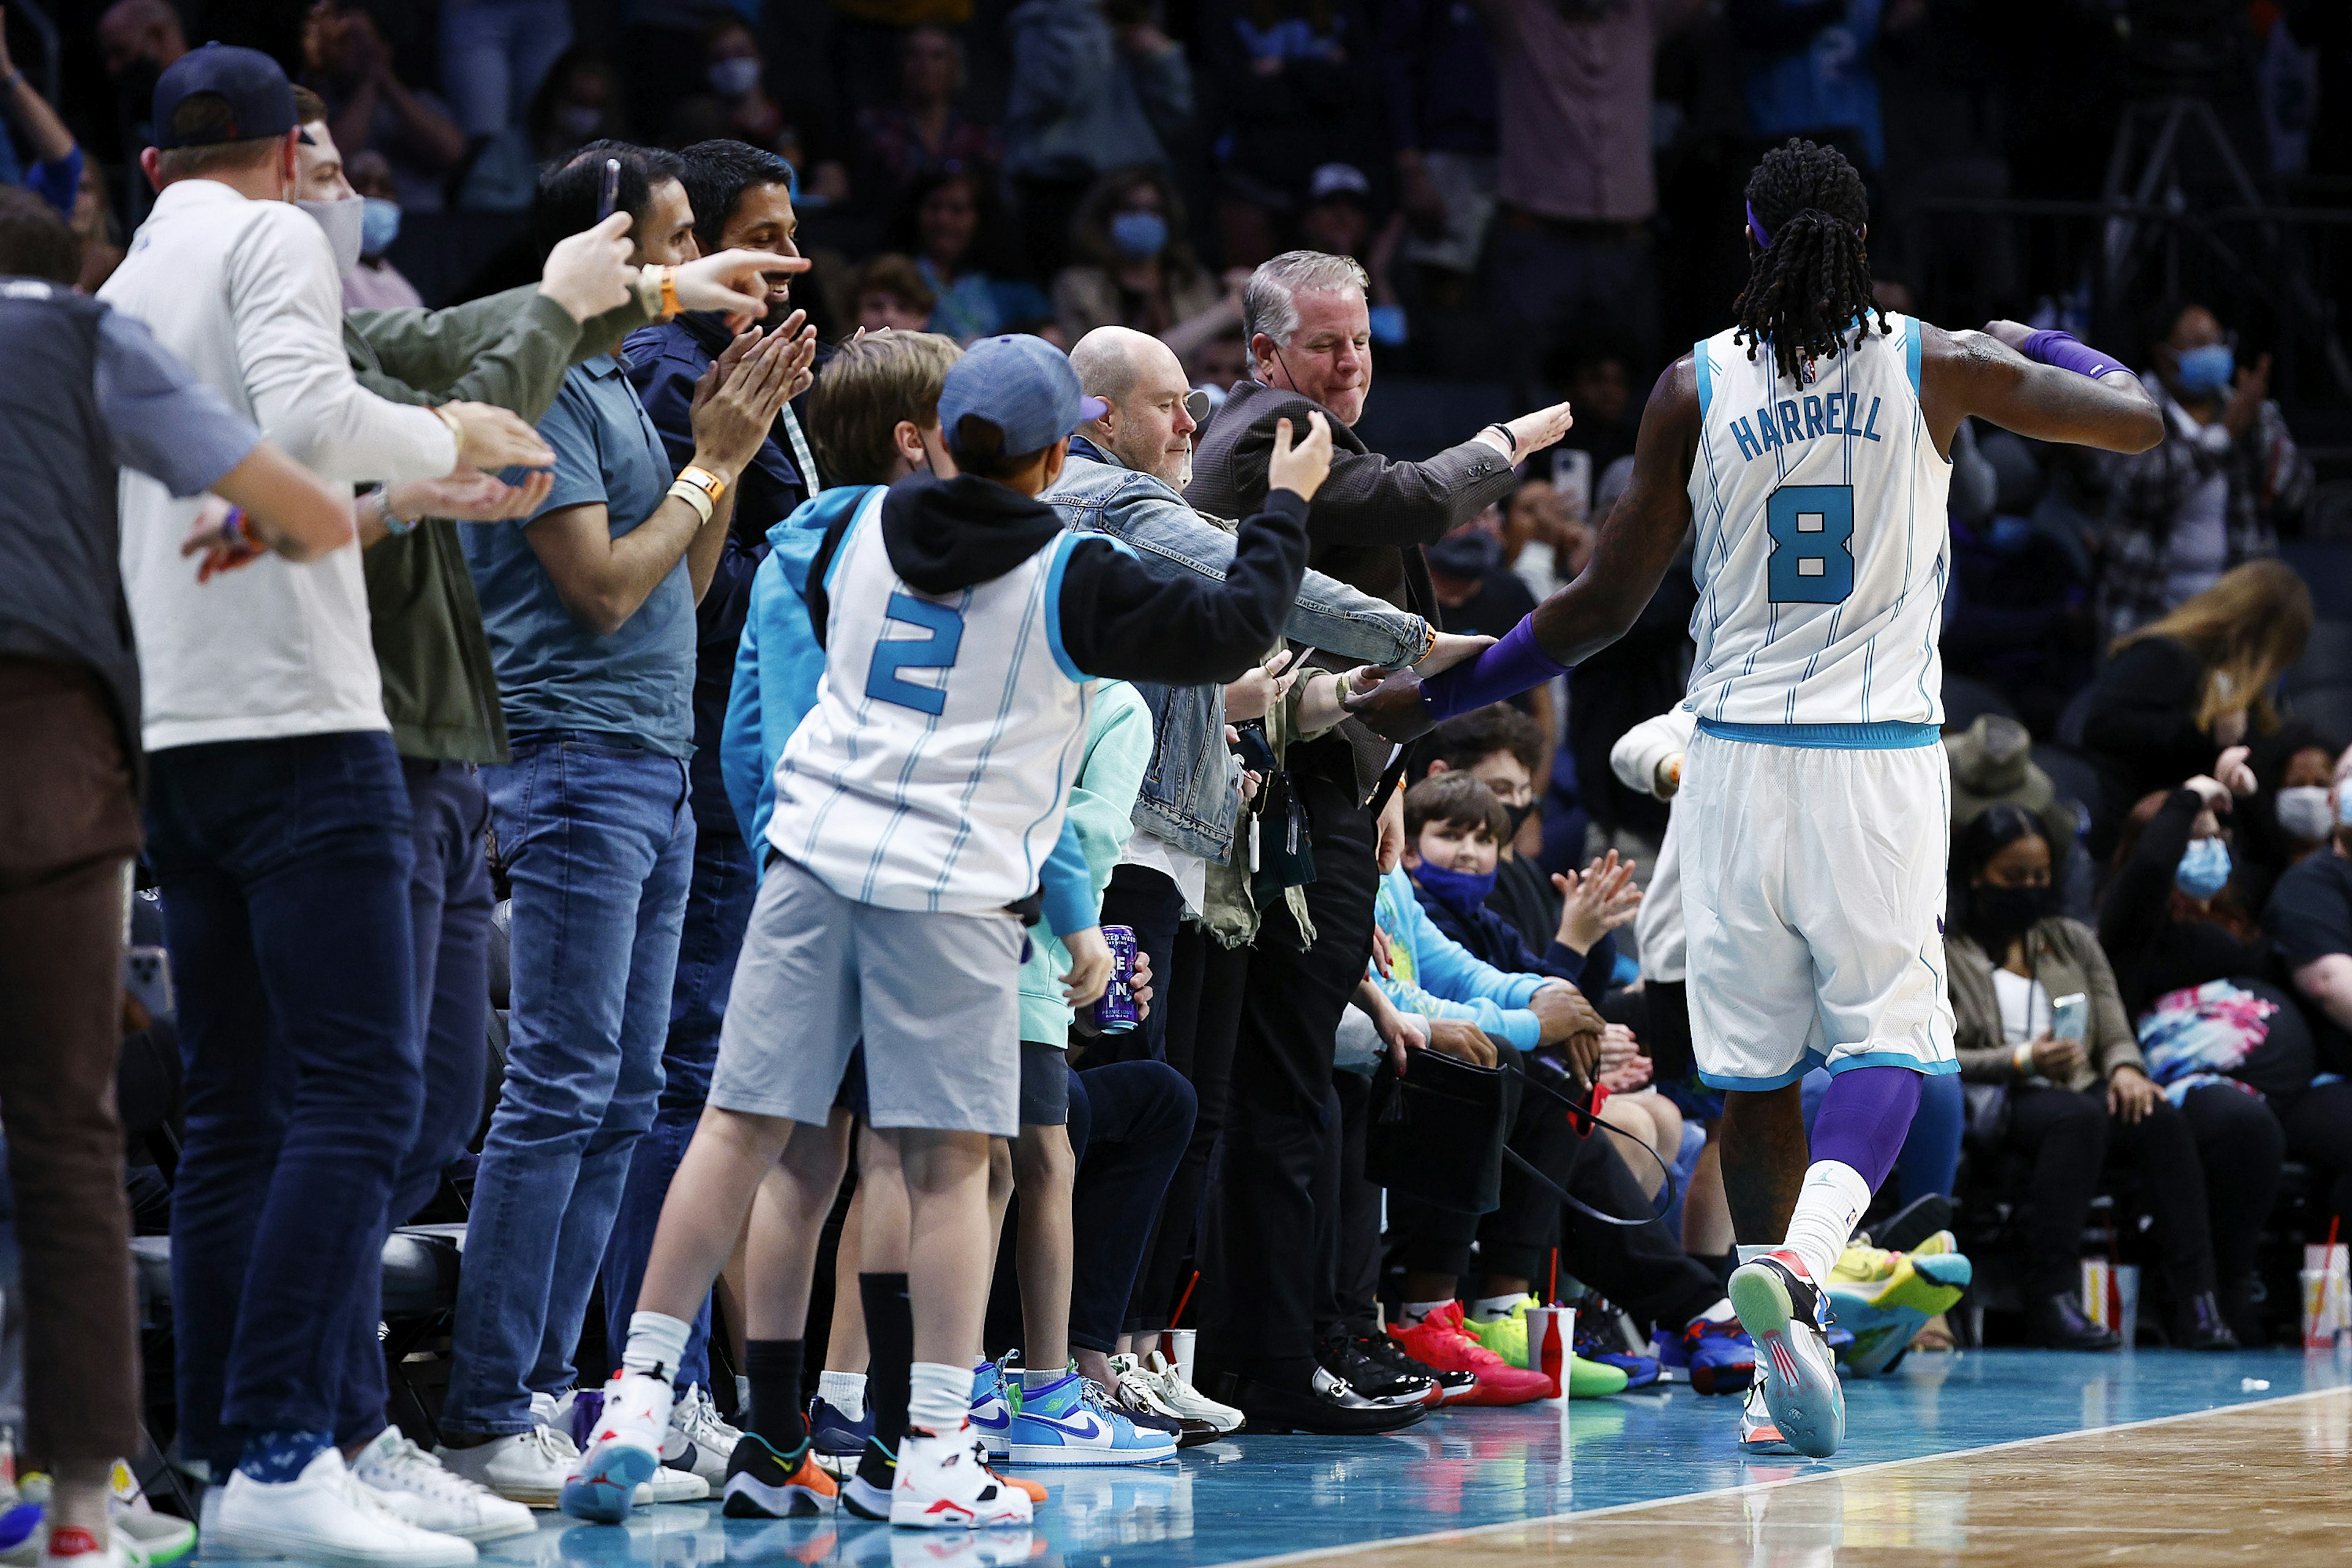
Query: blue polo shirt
point(554, 673)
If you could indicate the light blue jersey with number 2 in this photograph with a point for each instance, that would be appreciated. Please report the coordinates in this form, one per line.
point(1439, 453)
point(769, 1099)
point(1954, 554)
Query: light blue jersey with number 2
point(1821, 546)
point(933, 771)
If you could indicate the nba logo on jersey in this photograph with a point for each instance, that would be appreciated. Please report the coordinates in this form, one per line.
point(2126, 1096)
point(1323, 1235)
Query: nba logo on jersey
point(1821, 547)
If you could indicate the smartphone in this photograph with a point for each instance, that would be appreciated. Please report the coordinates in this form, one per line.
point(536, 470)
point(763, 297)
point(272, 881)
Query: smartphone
point(609, 197)
point(2070, 1016)
point(147, 976)
point(1571, 476)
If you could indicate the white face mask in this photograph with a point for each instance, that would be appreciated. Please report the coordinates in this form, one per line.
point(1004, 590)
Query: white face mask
point(344, 222)
point(2303, 813)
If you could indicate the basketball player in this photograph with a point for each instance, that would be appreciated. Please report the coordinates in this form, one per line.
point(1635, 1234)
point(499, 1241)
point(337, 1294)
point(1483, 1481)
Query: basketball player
point(1809, 445)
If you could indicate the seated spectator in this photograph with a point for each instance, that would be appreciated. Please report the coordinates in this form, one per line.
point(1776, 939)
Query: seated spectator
point(1134, 267)
point(494, 55)
point(891, 295)
point(136, 40)
point(1992, 762)
point(578, 102)
point(1478, 593)
point(1811, 72)
point(925, 129)
point(1216, 363)
point(2017, 613)
point(2310, 918)
point(2071, 1101)
point(2291, 816)
point(346, 61)
point(1600, 390)
point(375, 283)
point(737, 107)
point(2177, 691)
point(1296, 83)
point(949, 221)
point(1089, 93)
point(1338, 220)
point(2187, 510)
point(1546, 539)
point(1504, 749)
point(95, 226)
point(36, 150)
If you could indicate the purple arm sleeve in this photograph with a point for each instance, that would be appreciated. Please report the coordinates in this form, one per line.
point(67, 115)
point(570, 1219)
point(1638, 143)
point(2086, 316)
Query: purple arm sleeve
point(1509, 667)
point(1863, 1119)
point(2066, 352)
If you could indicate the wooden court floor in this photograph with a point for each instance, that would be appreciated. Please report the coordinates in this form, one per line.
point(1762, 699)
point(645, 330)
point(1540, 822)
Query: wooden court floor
point(2268, 1484)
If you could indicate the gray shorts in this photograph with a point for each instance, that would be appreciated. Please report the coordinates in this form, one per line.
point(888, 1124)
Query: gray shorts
point(937, 997)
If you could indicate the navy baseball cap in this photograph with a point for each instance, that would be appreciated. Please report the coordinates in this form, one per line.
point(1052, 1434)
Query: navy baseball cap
point(260, 100)
point(1022, 385)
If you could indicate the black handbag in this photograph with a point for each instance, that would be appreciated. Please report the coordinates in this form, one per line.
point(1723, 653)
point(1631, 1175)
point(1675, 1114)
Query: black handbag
point(1437, 1133)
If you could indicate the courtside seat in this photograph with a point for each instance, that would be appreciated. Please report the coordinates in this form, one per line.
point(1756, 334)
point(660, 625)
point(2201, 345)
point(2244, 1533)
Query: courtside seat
point(420, 1271)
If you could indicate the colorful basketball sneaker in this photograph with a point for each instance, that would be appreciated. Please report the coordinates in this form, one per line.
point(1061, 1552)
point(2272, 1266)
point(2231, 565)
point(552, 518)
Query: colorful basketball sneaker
point(1781, 1308)
point(1757, 1435)
point(623, 1449)
point(1604, 1349)
point(943, 1482)
point(994, 1398)
point(1714, 1356)
point(1508, 1337)
point(1438, 1339)
point(1071, 1422)
point(762, 1483)
point(1886, 1298)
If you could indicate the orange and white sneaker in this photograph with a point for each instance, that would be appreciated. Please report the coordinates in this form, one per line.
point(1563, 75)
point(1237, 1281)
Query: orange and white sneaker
point(944, 1483)
point(1782, 1309)
point(624, 1449)
point(1757, 1435)
point(1439, 1341)
point(763, 1483)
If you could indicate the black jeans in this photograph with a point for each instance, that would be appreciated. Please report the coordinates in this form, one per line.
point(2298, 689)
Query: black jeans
point(284, 867)
point(1130, 1120)
point(2209, 1170)
point(1641, 1267)
point(1267, 1276)
point(1347, 1216)
point(2318, 1123)
point(1204, 1008)
point(1147, 903)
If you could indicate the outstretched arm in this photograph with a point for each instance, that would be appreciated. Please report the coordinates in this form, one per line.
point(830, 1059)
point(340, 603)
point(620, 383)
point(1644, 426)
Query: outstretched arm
point(1984, 374)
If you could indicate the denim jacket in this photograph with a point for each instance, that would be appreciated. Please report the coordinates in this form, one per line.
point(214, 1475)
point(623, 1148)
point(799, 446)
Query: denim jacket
point(1192, 790)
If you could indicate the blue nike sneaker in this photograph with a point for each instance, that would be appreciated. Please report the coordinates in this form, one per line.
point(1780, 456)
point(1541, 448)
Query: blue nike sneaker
point(1070, 1422)
point(995, 1399)
point(1714, 1357)
point(1641, 1371)
point(836, 1436)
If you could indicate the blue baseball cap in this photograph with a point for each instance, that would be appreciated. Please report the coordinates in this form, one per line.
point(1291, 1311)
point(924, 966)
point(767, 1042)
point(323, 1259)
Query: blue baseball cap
point(1022, 385)
point(260, 100)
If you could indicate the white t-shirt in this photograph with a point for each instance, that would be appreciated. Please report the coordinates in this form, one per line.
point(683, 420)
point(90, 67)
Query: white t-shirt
point(2024, 1006)
point(1189, 871)
point(2198, 551)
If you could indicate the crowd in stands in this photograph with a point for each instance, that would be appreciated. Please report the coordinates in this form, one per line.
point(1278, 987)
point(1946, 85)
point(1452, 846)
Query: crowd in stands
point(453, 909)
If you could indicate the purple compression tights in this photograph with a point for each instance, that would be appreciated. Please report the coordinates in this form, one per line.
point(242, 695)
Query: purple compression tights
point(1863, 1120)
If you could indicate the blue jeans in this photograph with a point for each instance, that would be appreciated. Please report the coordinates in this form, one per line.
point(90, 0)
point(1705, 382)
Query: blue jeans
point(284, 869)
point(598, 847)
point(718, 908)
point(1931, 1149)
point(1130, 1123)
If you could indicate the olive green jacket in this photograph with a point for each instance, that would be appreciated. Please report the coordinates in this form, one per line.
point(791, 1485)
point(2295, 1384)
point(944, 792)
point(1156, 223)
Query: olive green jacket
point(509, 349)
point(2066, 958)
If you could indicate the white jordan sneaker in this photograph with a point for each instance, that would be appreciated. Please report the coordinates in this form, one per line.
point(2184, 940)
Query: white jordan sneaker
point(527, 1467)
point(430, 1495)
point(325, 1517)
point(623, 1449)
point(1781, 1308)
point(944, 1483)
point(576, 1415)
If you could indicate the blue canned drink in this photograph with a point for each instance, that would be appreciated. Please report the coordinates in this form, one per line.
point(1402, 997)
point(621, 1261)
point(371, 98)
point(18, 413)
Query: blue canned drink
point(1116, 1013)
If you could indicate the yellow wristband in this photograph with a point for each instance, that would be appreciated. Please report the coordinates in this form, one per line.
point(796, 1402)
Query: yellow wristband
point(693, 496)
point(649, 290)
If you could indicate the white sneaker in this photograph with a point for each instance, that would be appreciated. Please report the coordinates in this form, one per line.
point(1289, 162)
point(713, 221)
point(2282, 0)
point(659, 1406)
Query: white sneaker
point(698, 1438)
point(1757, 1435)
point(944, 1483)
point(623, 1449)
point(325, 1517)
point(527, 1467)
point(1779, 1306)
point(428, 1494)
point(1180, 1398)
point(576, 1415)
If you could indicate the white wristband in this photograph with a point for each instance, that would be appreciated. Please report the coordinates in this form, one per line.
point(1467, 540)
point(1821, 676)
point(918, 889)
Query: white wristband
point(695, 497)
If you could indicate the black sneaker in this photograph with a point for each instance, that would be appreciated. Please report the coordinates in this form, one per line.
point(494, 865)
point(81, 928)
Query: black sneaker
point(1327, 1406)
point(866, 1493)
point(1376, 1385)
point(764, 1484)
point(1382, 1350)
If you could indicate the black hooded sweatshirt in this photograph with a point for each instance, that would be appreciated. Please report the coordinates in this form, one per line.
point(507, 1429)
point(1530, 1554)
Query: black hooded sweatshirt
point(1118, 620)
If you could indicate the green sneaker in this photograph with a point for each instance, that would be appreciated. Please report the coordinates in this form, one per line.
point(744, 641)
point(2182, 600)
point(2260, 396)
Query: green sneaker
point(1508, 1338)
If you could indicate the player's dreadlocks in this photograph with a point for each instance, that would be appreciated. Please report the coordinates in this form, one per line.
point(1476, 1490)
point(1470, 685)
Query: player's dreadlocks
point(1811, 287)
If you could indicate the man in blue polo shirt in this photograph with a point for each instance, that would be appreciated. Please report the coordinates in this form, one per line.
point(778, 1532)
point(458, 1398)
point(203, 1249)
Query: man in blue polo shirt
point(589, 610)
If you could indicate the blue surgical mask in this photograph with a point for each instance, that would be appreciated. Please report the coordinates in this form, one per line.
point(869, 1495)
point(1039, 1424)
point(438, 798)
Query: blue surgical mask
point(2207, 372)
point(2343, 807)
point(1388, 323)
point(2204, 869)
point(1139, 235)
point(378, 225)
point(734, 78)
point(1459, 891)
point(2011, 535)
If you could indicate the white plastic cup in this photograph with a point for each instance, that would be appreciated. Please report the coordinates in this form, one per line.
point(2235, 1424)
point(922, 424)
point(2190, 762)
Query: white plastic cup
point(2127, 1297)
point(1181, 1346)
point(2318, 1330)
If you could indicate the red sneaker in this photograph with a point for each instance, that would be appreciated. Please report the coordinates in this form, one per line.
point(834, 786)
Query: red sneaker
point(1439, 1340)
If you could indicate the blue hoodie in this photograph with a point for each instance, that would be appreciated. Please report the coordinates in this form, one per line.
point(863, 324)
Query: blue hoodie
point(778, 666)
point(1434, 976)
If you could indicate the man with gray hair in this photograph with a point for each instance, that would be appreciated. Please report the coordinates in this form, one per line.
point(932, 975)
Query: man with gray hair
point(1124, 478)
point(1295, 1353)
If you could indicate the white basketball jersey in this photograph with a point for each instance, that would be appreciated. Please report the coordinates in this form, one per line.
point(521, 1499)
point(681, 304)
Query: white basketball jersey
point(1821, 546)
point(932, 773)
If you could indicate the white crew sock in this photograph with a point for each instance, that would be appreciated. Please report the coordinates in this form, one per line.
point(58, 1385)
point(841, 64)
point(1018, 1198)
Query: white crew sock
point(939, 1396)
point(656, 1344)
point(1829, 1205)
point(1488, 1307)
point(844, 1391)
point(743, 1395)
point(1414, 1312)
point(1033, 1378)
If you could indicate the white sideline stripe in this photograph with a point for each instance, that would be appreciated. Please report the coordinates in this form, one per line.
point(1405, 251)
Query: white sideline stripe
point(1826, 1472)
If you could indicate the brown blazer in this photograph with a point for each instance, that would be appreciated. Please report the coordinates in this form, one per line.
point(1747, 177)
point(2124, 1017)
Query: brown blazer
point(2066, 958)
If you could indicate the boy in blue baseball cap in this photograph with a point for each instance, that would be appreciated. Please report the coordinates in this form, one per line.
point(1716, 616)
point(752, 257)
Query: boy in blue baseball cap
point(914, 809)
